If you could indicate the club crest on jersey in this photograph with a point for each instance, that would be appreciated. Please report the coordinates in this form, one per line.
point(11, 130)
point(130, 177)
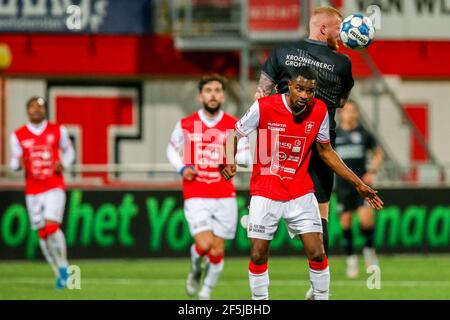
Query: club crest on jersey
point(309, 127)
point(50, 138)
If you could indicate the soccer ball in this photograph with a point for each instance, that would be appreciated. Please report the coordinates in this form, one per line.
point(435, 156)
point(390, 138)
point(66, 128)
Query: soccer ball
point(357, 31)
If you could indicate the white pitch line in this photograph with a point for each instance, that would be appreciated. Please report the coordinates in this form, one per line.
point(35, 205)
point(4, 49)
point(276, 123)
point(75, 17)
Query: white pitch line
point(180, 282)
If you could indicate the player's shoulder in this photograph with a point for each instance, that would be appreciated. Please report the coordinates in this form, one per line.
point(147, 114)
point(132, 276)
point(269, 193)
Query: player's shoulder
point(20, 129)
point(54, 124)
point(271, 98)
point(229, 118)
point(320, 105)
point(342, 57)
point(191, 117)
point(364, 131)
point(284, 47)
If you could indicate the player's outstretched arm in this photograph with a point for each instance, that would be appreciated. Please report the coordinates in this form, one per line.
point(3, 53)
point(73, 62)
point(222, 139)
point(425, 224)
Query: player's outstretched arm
point(265, 86)
point(229, 170)
point(332, 159)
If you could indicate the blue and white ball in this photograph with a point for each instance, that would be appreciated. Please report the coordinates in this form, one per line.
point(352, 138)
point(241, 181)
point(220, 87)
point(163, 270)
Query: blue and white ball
point(357, 31)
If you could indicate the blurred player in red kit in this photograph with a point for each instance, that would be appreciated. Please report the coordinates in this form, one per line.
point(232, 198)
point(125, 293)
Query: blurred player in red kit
point(43, 149)
point(210, 205)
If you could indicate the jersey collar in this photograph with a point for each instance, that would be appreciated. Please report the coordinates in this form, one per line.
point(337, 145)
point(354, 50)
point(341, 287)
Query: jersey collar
point(320, 43)
point(37, 129)
point(283, 97)
point(210, 122)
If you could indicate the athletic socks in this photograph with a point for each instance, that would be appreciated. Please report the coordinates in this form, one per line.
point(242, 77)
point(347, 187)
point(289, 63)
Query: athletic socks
point(368, 235)
point(196, 258)
point(259, 281)
point(53, 246)
point(319, 274)
point(56, 244)
point(212, 276)
point(48, 257)
point(348, 241)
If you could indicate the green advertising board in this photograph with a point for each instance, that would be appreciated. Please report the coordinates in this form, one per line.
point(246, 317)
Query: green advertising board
point(140, 223)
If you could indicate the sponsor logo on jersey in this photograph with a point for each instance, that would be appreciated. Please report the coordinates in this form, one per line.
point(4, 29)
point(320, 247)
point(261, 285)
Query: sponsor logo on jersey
point(28, 143)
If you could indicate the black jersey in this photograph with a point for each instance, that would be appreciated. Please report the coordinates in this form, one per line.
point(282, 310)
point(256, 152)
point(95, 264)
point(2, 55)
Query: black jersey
point(334, 69)
point(352, 147)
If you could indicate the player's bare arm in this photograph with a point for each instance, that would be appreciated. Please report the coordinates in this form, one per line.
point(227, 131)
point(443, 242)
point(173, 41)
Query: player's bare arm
point(332, 159)
point(229, 171)
point(265, 86)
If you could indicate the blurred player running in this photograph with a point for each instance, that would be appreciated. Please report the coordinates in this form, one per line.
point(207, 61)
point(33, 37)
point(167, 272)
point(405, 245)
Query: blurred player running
point(36, 148)
point(289, 127)
point(335, 82)
point(210, 205)
point(353, 143)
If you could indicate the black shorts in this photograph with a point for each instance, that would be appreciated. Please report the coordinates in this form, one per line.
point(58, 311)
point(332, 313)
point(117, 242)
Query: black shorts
point(349, 200)
point(321, 174)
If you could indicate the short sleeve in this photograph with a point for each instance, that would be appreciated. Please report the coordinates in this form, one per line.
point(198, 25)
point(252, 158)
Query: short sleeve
point(323, 135)
point(249, 122)
point(347, 79)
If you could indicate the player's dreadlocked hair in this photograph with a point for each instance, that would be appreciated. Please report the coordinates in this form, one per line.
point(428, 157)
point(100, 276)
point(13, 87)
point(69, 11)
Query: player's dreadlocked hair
point(212, 77)
point(305, 72)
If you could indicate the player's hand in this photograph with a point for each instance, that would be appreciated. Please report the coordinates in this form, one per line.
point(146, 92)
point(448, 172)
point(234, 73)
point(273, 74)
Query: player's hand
point(370, 195)
point(58, 167)
point(229, 171)
point(189, 173)
point(368, 178)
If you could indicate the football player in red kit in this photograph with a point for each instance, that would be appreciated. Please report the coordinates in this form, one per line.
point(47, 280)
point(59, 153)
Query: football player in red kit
point(209, 201)
point(35, 147)
point(288, 127)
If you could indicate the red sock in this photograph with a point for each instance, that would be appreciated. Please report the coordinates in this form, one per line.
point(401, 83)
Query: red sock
point(258, 268)
point(51, 228)
point(215, 259)
point(42, 233)
point(200, 252)
point(319, 265)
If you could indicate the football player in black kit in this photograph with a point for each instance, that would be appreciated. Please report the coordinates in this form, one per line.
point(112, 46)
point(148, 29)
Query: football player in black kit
point(318, 51)
point(353, 143)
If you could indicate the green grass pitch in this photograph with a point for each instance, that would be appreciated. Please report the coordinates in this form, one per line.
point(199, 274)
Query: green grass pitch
point(402, 277)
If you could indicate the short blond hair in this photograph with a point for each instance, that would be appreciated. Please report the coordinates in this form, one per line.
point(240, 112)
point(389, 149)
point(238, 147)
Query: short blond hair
point(327, 10)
